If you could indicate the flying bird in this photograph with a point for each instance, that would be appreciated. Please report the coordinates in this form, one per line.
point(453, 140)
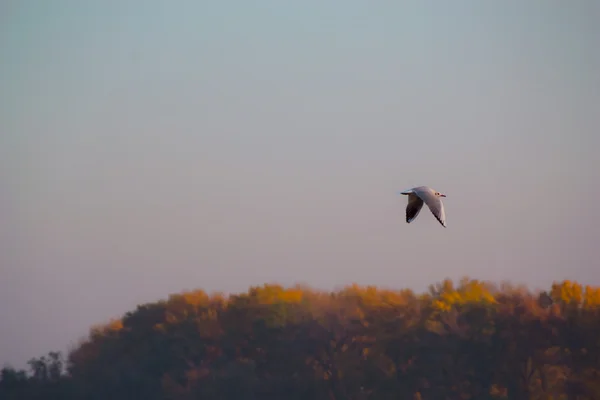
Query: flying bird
point(431, 197)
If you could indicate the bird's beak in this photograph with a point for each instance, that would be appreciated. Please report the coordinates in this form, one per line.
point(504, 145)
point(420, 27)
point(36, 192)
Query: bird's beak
point(442, 195)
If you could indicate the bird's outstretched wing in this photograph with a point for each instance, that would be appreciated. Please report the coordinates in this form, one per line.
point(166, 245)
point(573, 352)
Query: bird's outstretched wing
point(413, 207)
point(435, 206)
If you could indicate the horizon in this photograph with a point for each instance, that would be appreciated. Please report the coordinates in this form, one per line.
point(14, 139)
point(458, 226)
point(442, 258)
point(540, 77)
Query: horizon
point(149, 151)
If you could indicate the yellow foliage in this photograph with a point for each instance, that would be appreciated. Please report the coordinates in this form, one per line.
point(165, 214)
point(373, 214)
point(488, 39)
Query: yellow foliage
point(567, 292)
point(472, 291)
point(370, 296)
point(441, 305)
point(270, 294)
point(592, 297)
point(194, 298)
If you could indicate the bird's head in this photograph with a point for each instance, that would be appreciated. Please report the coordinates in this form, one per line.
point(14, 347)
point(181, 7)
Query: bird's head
point(438, 194)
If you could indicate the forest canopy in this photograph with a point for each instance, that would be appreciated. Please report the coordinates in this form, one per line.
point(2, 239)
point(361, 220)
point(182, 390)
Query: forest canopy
point(472, 340)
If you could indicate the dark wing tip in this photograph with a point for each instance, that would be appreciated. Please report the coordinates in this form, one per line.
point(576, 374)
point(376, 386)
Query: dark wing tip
point(439, 219)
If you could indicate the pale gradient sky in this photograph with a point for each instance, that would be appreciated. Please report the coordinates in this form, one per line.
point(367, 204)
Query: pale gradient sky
point(151, 147)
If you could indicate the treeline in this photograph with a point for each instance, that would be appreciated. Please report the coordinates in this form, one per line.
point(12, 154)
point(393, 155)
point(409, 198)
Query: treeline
point(469, 341)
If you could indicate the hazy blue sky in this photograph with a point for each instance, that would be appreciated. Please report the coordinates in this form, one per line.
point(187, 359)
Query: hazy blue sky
point(151, 147)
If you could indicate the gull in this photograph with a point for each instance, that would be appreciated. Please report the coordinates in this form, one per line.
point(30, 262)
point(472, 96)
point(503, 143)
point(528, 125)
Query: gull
point(431, 197)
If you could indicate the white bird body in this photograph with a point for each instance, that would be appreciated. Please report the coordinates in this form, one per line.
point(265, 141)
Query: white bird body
point(424, 194)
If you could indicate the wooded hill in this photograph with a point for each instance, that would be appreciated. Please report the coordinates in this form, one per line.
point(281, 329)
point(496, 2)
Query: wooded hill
point(469, 341)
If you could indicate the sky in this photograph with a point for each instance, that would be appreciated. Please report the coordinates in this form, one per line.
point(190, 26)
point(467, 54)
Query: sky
point(148, 148)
